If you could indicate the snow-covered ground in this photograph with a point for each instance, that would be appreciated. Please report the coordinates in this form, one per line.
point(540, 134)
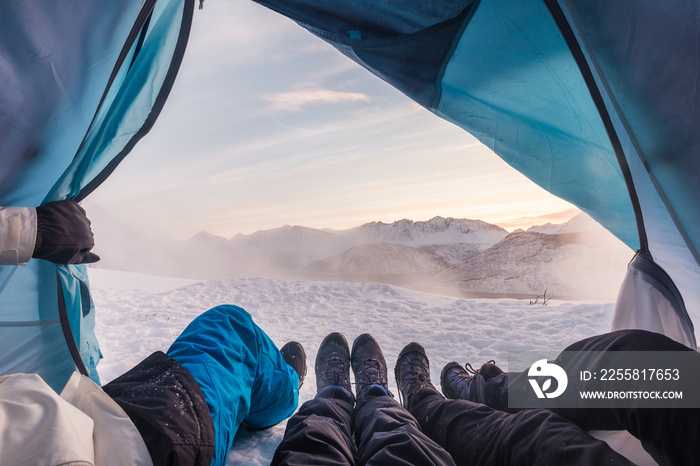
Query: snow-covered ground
point(139, 314)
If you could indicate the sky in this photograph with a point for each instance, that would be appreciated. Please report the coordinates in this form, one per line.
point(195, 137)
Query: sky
point(267, 125)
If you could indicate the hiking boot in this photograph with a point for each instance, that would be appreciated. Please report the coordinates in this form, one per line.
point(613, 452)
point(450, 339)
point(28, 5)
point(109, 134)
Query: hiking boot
point(412, 374)
point(466, 383)
point(294, 355)
point(369, 367)
point(333, 363)
point(455, 381)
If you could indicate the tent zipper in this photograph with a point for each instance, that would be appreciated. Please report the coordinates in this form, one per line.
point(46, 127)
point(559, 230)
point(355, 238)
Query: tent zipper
point(178, 54)
point(587, 74)
point(141, 19)
point(67, 331)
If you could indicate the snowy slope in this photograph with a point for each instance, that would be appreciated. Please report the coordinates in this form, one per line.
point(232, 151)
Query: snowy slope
point(139, 314)
point(528, 263)
point(379, 258)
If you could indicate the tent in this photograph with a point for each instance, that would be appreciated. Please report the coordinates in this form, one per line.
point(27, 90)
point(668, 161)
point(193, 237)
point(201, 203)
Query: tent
point(595, 101)
point(80, 86)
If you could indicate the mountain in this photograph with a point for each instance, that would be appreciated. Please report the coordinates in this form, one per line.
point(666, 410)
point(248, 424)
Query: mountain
point(437, 230)
point(289, 251)
point(579, 224)
point(446, 255)
point(588, 264)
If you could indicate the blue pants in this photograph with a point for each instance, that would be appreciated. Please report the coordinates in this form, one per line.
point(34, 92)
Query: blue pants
point(240, 371)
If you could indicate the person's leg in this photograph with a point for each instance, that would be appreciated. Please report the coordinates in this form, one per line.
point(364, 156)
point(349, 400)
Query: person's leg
point(385, 432)
point(147, 394)
point(656, 428)
point(476, 434)
point(663, 432)
point(240, 371)
point(473, 433)
point(321, 431)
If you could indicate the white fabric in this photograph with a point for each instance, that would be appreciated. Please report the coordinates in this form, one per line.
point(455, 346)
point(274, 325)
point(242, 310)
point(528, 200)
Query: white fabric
point(625, 444)
point(17, 234)
point(39, 427)
point(641, 306)
point(117, 441)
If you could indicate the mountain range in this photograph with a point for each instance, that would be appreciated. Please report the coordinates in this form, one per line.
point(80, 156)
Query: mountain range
point(470, 258)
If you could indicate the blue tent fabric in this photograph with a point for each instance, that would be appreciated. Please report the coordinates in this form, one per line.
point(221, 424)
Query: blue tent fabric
point(33, 338)
point(53, 86)
point(74, 294)
point(644, 57)
point(70, 109)
point(412, 62)
point(240, 371)
point(130, 108)
point(648, 55)
point(513, 83)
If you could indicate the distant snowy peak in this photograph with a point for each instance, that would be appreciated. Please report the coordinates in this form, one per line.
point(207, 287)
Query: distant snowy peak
point(578, 224)
point(205, 236)
point(437, 230)
point(285, 234)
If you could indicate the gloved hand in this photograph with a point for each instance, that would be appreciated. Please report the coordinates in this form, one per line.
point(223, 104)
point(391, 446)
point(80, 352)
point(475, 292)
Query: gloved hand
point(63, 234)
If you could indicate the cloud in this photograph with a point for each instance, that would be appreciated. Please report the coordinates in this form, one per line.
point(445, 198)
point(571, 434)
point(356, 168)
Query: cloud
point(295, 100)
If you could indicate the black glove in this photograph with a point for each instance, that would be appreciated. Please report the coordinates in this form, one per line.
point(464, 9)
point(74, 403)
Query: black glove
point(63, 234)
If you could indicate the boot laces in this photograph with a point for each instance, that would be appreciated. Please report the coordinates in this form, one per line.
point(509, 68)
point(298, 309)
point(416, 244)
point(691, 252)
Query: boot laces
point(473, 372)
point(334, 370)
point(371, 373)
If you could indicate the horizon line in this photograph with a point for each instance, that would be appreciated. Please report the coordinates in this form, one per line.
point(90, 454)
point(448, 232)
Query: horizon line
point(510, 225)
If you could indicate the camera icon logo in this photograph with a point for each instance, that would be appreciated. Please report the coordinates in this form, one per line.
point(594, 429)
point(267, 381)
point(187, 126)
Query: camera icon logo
point(541, 369)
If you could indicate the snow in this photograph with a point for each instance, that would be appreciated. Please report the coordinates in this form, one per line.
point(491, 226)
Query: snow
point(138, 314)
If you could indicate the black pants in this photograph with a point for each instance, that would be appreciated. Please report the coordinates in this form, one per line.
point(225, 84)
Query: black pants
point(466, 432)
point(475, 434)
point(168, 408)
point(669, 435)
point(321, 433)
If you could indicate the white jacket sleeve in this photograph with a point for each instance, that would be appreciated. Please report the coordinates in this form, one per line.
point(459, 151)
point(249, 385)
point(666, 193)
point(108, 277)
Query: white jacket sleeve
point(17, 234)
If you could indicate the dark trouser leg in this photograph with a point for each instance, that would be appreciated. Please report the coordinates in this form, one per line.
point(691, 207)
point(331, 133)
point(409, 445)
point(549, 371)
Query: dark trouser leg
point(147, 393)
point(319, 433)
point(656, 428)
point(476, 434)
point(387, 434)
